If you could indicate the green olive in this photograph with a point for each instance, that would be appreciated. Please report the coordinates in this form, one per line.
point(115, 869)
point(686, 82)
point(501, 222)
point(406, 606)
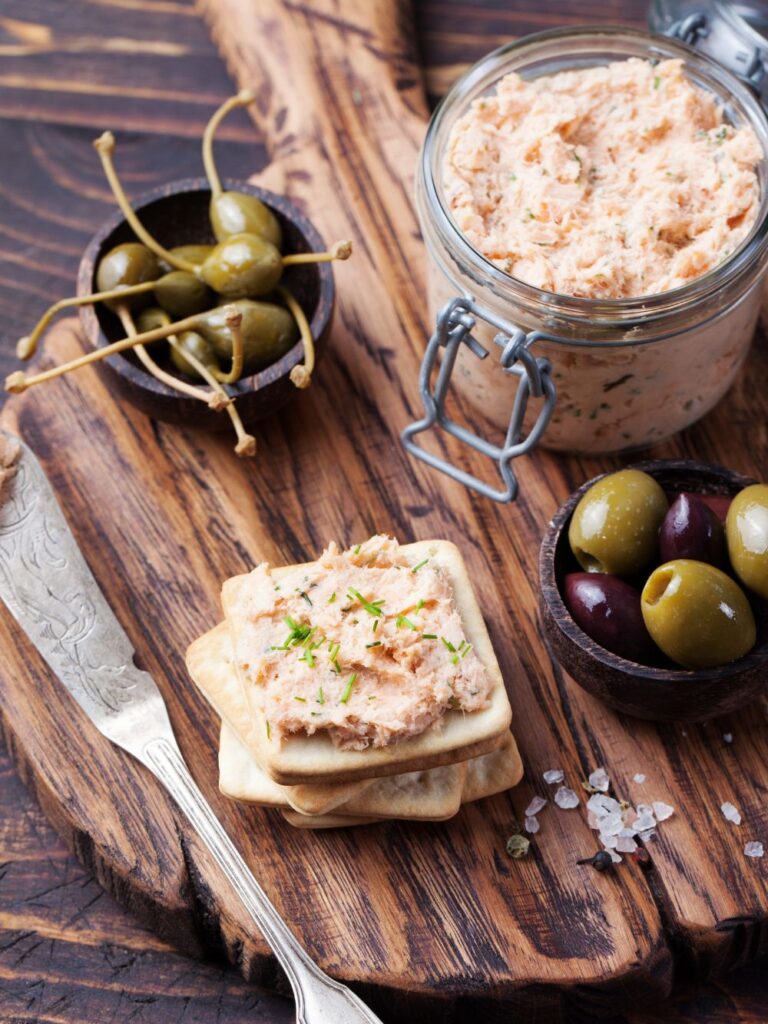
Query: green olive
point(194, 253)
point(233, 213)
point(182, 294)
point(125, 265)
point(191, 341)
point(243, 266)
point(268, 332)
point(615, 527)
point(746, 530)
point(697, 615)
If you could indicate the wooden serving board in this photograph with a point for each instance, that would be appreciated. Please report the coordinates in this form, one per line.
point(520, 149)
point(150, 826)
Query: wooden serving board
point(431, 919)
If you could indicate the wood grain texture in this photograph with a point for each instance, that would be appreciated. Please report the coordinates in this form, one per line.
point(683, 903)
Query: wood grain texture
point(264, 505)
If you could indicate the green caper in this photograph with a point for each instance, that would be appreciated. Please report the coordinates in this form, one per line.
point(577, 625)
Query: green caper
point(697, 615)
point(151, 318)
point(243, 266)
point(182, 294)
point(197, 254)
point(125, 265)
point(268, 332)
point(194, 343)
point(615, 527)
point(233, 213)
point(746, 531)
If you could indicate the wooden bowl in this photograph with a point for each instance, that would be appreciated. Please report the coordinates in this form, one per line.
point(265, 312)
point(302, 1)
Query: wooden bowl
point(177, 214)
point(662, 693)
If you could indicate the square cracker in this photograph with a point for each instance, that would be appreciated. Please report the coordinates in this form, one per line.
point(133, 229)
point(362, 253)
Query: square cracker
point(433, 795)
point(458, 736)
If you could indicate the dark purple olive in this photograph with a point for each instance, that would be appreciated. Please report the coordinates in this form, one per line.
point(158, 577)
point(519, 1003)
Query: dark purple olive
point(608, 610)
point(719, 503)
point(691, 529)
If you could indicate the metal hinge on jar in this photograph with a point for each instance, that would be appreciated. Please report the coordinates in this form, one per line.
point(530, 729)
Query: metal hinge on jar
point(454, 327)
point(745, 62)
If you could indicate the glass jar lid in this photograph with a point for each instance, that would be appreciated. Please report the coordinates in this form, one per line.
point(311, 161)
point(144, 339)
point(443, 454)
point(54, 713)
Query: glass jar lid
point(734, 34)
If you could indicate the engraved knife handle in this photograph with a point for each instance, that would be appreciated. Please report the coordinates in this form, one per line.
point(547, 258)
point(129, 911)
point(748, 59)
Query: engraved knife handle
point(319, 999)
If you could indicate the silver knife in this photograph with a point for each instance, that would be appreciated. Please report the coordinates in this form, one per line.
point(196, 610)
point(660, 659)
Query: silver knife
point(50, 591)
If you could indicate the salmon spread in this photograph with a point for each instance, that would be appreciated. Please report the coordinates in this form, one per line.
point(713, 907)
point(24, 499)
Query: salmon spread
point(361, 643)
point(607, 182)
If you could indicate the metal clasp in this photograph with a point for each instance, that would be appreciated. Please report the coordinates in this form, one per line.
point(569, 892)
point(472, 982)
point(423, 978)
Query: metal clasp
point(695, 26)
point(455, 323)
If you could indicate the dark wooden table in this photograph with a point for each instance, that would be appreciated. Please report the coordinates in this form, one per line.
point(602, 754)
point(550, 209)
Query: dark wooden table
point(149, 69)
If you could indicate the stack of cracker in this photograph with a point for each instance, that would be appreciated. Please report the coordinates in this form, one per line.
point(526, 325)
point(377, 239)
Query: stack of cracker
point(334, 731)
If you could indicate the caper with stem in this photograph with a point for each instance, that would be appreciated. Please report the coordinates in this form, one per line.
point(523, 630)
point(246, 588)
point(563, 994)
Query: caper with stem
point(268, 331)
point(242, 266)
point(233, 213)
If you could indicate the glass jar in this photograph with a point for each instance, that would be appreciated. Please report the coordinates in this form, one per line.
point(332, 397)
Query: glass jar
point(627, 372)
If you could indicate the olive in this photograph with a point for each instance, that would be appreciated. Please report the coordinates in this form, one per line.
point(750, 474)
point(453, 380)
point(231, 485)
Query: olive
point(608, 610)
point(692, 530)
point(149, 319)
point(243, 266)
point(182, 294)
point(697, 615)
point(615, 526)
point(197, 254)
point(233, 213)
point(746, 530)
point(719, 503)
point(191, 341)
point(268, 331)
point(125, 265)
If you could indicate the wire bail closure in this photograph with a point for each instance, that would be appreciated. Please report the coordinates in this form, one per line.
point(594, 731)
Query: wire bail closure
point(454, 327)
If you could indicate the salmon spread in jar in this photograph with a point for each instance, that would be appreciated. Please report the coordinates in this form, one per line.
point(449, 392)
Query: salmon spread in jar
point(594, 201)
point(606, 182)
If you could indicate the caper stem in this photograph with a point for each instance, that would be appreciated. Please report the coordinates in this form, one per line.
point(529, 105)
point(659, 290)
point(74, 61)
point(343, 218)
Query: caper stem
point(233, 321)
point(339, 251)
point(149, 363)
point(105, 147)
point(300, 375)
point(19, 381)
point(26, 347)
point(242, 99)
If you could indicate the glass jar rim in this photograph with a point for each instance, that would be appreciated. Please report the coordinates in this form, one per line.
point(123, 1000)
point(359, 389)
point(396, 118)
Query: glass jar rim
point(608, 312)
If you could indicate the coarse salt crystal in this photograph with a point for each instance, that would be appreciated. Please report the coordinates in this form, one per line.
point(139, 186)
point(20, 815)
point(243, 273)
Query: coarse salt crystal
point(531, 824)
point(566, 798)
point(615, 857)
point(646, 836)
point(730, 812)
point(599, 780)
point(643, 822)
point(592, 818)
point(662, 811)
point(727, 737)
point(553, 775)
point(639, 778)
point(600, 804)
point(611, 824)
point(537, 804)
point(609, 842)
point(754, 849)
point(627, 833)
point(625, 844)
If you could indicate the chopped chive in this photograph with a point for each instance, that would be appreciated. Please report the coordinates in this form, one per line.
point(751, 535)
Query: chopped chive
point(320, 696)
point(314, 714)
point(357, 549)
point(420, 604)
point(372, 697)
point(403, 620)
point(348, 689)
point(302, 700)
point(449, 645)
point(306, 597)
point(336, 666)
point(420, 565)
point(455, 659)
point(466, 650)
point(376, 643)
point(656, 82)
point(429, 636)
point(375, 626)
point(269, 730)
point(309, 657)
point(332, 598)
point(373, 608)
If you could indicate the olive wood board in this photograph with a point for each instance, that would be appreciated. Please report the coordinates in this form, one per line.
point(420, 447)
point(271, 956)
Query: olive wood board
point(427, 918)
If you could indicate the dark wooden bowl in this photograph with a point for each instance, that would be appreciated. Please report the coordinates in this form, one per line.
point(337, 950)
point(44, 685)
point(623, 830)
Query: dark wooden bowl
point(177, 214)
point(665, 694)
